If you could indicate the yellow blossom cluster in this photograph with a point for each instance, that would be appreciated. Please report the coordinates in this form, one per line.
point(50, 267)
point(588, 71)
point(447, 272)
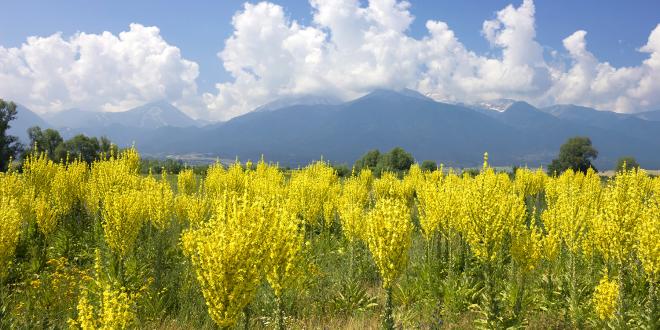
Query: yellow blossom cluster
point(313, 191)
point(438, 202)
point(389, 231)
point(605, 298)
point(528, 182)
point(490, 210)
point(229, 255)
point(572, 201)
point(185, 182)
point(114, 308)
point(352, 205)
point(625, 201)
point(10, 226)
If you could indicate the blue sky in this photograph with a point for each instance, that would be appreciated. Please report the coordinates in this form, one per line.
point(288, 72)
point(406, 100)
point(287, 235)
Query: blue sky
point(615, 29)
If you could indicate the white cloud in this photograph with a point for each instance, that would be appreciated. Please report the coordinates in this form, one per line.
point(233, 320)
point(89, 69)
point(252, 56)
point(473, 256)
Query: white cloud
point(351, 48)
point(593, 83)
point(97, 71)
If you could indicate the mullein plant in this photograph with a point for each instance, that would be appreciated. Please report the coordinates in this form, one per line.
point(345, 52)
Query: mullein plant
point(490, 211)
point(312, 193)
point(388, 232)
point(104, 303)
point(573, 200)
point(229, 257)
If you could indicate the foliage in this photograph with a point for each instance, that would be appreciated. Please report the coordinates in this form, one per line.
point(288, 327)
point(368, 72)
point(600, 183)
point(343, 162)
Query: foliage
point(395, 160)
point(626, 163)
point(45, 141)
point(429, 165)
point(9, 145)
point(576, 154)
point(51, 143)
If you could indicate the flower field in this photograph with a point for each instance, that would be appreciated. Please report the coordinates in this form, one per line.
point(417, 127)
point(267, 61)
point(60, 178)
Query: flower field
point(254, 246)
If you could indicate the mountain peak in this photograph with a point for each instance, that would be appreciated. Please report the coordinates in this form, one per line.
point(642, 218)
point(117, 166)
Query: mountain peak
point(153, 115)
point(392, 94)
point(310, 99)
point(499, 105)
point(520, 106)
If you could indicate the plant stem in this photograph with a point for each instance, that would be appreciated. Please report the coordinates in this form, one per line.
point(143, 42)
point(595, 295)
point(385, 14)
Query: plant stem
point(280, 314)
point(247, 312)
point(388, 323)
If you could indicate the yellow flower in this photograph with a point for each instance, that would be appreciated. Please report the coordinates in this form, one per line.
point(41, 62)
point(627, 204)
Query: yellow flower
point(389, 235)
point(389, 186)
point(46, 214)
point(439, 204)
point(186, 183)
point(123, 215)
point(528, 183)
point(229, 255)
point(87, 319)
point(605, 298)
point(490, 210)
point(313, 192)
point(10, 228)
point(624, 204)
point(285, 247)
point(648, 235)
point(352, 203)
point(527, 247)
point(118, 309)
point(115, 174)
point(572, 201)
point(158, 199)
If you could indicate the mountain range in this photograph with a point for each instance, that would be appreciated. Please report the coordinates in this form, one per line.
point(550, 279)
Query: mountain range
point(296, 131)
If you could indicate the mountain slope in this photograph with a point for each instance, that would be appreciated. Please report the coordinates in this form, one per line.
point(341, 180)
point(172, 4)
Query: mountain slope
point(382, 119)
point(456, 135)
point(25, 119)
point(153, 115)
point(649, 115)
point(149, 116)
point(451, 134)
point(299, 100)
point(617, 123)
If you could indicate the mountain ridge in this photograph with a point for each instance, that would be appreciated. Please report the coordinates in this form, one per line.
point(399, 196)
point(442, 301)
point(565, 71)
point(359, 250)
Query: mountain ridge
point(454, 134)
point(150, 115)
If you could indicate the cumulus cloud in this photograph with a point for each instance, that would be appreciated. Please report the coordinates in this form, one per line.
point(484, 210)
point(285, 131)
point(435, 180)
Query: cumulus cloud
point(599, 84)
point(97, 71)
point(348, 51)
point(351, 48)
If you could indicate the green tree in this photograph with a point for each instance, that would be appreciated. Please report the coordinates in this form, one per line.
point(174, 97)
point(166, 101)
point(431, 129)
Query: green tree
point(576, 153)
point(86, 148)
point(79, 146)
point(342, 170)
point(9, 145)
point(429, 165)
point(397, 160)
point(369, 160)
point(45, 140)
point(627, 163)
